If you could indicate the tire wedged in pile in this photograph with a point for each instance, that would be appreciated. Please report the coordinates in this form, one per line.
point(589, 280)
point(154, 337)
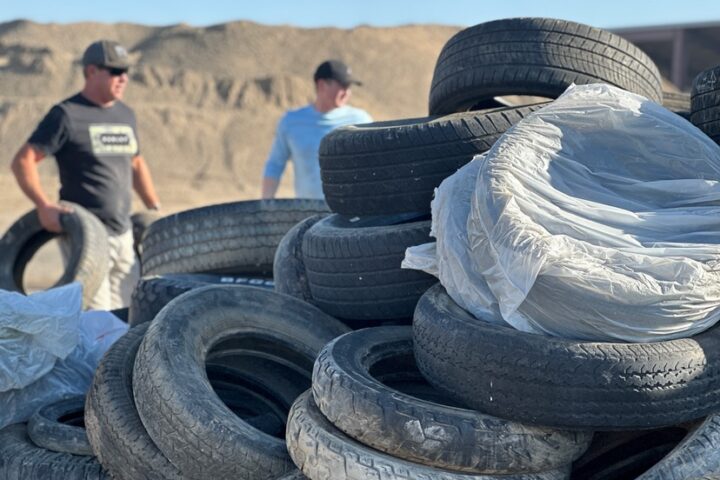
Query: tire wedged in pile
point(321, 450)
point(236, 238)
point(367, 384)
point(393, 167)
point(177, 404)
point(564, 383)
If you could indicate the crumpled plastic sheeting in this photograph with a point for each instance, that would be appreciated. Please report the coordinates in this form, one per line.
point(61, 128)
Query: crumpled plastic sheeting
point(71, 376)
point(35, 331)
point(595, 218)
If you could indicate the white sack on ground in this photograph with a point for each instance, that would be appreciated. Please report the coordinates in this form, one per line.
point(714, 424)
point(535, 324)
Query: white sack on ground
point(35, 331)
point(596, 217)
point(71, 376)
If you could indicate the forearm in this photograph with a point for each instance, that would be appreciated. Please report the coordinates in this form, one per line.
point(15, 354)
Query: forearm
point(269, 187)
point(24, 167)
point(143, 184)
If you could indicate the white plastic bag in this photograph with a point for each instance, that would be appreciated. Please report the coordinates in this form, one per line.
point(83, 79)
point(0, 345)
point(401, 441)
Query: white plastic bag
point(35, 331)
point(96, 332)
point(596, 217)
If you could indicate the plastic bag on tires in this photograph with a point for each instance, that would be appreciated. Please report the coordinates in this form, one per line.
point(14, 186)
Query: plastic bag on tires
point(70, 376)
point(597, 217)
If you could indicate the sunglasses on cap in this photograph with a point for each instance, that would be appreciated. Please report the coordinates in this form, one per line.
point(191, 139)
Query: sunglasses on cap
point(114, 72)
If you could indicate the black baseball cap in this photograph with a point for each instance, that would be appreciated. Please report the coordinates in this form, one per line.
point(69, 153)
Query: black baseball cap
point(106, 53)
point(336, 70)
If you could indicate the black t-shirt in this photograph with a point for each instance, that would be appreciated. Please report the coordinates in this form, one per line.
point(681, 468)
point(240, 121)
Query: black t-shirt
point(94, 147)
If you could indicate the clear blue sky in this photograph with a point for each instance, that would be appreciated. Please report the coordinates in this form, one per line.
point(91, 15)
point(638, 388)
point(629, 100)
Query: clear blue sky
point(349, 13)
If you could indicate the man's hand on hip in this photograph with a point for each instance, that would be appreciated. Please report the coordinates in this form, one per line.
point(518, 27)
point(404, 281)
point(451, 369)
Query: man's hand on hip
point(49, 216)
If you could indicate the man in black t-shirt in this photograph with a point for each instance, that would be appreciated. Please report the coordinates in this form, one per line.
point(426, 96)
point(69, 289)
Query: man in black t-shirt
point(94, 140)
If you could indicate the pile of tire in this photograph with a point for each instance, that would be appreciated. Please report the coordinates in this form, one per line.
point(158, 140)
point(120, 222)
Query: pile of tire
point(204, 389)
point(498, 403)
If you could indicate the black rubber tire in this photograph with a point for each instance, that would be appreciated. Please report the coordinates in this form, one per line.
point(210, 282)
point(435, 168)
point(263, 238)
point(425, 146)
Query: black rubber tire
point(113, 426)
point(695, 457)
point(625, 455)
point(705, 103)
point(20, 459)
point(353, 266)
point(535, 56)
point(289, 272)
point(152, 293)
point(563, 383)
point(394, 167)
point(60, 427)
point(322, 451)
point(350, 386)
point(177, 404)
point(140, 222)
point(89, 259)
point(233, 238)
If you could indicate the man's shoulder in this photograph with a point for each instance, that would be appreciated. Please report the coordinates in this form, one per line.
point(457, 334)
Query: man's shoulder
point(353, 115)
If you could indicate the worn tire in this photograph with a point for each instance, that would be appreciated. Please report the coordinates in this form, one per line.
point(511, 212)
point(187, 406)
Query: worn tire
point(20, 459)
point(695, 457)
point(535, 56)
point(289, 272)
point(153, 292)
point(705, 103)
point(677, 102)
point(114, 428)
point(89, 257)
point(353, 266)
point(394, 167)
point(552, 381)
point(424, 426)
point(59, 427)
point(177, 404)
point(232, 238)
point(323, 452)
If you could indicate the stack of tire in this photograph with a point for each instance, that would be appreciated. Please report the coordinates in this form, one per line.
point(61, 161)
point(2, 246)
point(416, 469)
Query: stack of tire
point(204, 390)
point(232, 243)
point(498, 403)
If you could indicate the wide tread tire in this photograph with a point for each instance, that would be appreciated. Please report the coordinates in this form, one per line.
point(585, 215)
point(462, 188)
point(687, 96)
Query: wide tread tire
point(153, 292)
point(178, 406)
point(557, 382)
point(233, 238)
point(394, 167)
point(535, 56)
point(20, 459)
point(89, 259)
point(430, 429)
point(323, 452)
point(353, 267)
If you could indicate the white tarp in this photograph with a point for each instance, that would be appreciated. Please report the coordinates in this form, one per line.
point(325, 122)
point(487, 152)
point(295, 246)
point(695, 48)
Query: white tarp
point(597, 217)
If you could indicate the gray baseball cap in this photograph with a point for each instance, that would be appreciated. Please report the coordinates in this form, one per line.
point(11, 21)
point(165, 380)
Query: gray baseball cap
point(106, 53)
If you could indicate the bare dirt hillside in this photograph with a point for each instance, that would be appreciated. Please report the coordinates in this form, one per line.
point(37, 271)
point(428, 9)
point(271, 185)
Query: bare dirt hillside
point(207, 99)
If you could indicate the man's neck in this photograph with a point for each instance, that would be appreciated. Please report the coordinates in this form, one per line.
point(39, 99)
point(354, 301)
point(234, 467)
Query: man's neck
point(96, 99)
point(322, 107)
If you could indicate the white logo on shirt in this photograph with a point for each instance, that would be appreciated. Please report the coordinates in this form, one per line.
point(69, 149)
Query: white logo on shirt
point(113, 139)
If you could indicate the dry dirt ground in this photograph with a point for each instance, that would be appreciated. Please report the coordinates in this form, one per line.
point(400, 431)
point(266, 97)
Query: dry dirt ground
point(207, 99)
